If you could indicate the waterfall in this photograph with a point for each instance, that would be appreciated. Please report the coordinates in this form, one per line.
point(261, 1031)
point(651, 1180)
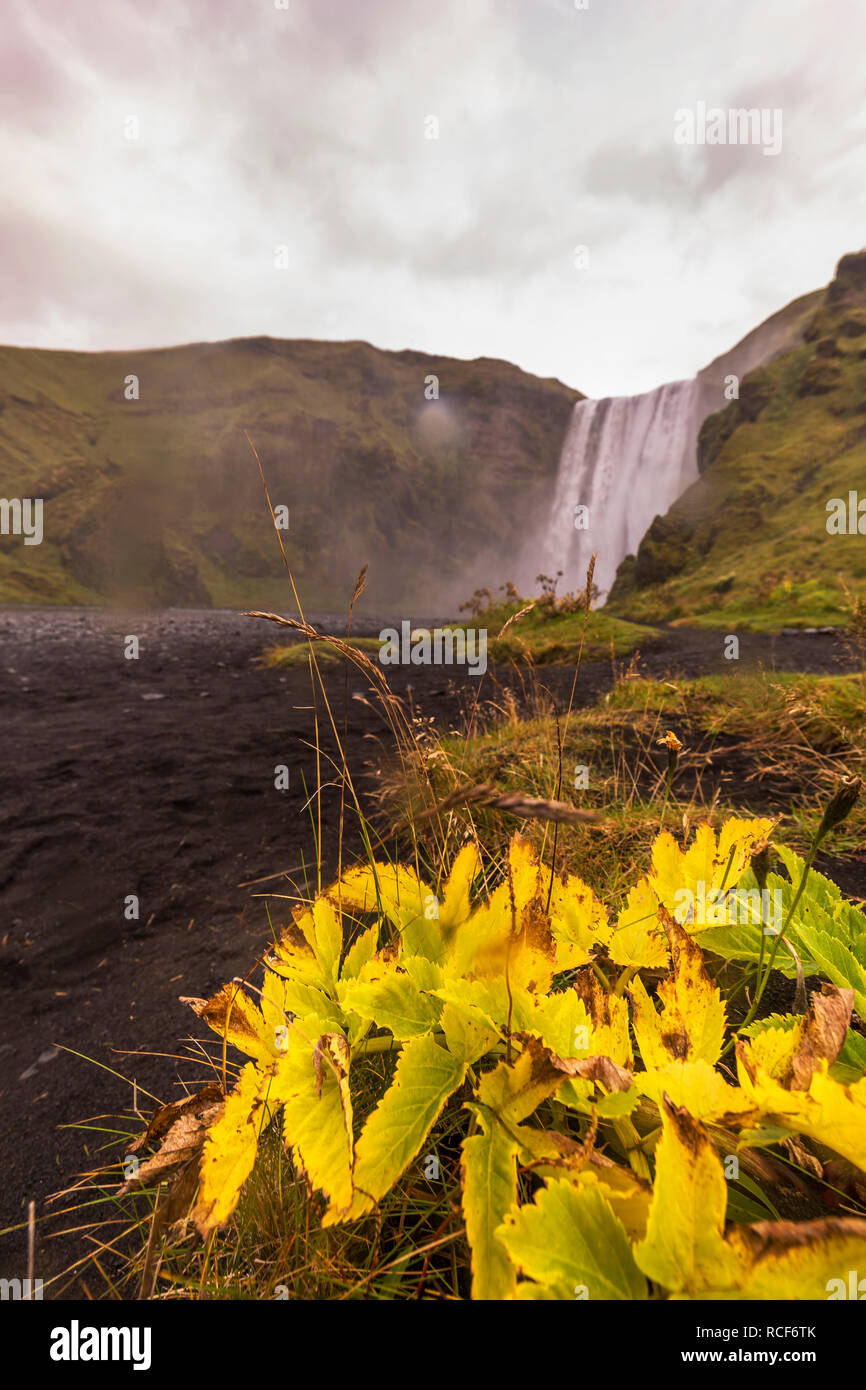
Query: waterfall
point(625, 459)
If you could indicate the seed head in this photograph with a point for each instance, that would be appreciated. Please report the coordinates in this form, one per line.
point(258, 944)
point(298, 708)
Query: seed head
point(841, 803)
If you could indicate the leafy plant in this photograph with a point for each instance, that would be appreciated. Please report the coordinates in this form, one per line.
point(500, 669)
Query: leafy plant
point(599, 1128)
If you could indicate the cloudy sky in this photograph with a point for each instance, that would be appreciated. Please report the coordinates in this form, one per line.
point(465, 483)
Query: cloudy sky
point(304, 124)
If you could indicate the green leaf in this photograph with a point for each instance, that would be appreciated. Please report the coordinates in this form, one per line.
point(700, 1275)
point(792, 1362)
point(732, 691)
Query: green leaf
point(570, 1238)
point(393, 1002)
point(760, 1196)
point(819, 890)
point(760, 1025)
point(425, 1076)
point(742, 1208)
point(836, 962)
point(852, 1056)
point(617, 1104)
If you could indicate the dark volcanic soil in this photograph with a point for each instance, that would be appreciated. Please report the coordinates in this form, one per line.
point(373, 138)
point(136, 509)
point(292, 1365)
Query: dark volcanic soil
point(155, 778)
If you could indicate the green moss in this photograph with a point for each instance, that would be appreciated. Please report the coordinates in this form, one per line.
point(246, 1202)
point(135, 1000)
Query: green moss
point(543, 638)
point(298, 653)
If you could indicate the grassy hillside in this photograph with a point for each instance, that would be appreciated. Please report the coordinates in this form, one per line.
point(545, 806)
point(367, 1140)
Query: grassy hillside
point(157, 501)
point(748, 544)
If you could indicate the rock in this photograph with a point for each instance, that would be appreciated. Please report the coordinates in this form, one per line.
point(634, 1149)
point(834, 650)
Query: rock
point(827, 347)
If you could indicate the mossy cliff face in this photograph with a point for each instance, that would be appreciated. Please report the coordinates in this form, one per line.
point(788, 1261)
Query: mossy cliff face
point(158, 500)
point(748, 542)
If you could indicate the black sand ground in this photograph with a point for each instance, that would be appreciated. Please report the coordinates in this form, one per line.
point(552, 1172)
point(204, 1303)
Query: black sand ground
point(155, 778)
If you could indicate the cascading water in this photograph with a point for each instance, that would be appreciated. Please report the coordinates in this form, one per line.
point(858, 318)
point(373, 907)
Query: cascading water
point(625, 460)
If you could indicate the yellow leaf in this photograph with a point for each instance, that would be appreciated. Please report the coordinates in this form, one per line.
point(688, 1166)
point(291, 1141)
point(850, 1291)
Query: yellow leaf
point(467, 1037)
point(637, 939)
point(578, 922)
point(608, 1016)
point(486, 1001)
point(313, 1087)
point(233, 1016)
point(773, 1049)
point(698, 1088)
point(513, 1091)
point(792, 1055)
point(559, 1020)
point(455, 899)
point(629, 1198)
point(706, 869)
point(274, 1009)
point(230, 1149)
point(554, 1155)
point(402, 897)
point(514, 929)
point(829, 1112)
point(294, 957)
point(692, 1022)
point(510, 933)
point(283, 999)
point(800, 1261)
point(569, 1238)
point(362, 949)
point(425, 974)
point(329, 936)
point(489, 1190)
point(685, 1249)
point(556, 1292)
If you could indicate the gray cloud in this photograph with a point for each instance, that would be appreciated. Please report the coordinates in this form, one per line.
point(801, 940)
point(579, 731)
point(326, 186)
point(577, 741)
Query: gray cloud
point(305, 127)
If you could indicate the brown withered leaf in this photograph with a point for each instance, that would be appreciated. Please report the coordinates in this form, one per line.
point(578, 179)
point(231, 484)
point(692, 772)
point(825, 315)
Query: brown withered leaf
point(162, 1119)
point(766, 1238)
point(180, 1130)
point(611, 1076)
point(514, 803)
point(292, 935)
point(800, 1155)
point(827, 1023)
point(179, 1200)
point(596, 1000)
point(533, 928)
point(333, 1048)
point(844, 1182)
